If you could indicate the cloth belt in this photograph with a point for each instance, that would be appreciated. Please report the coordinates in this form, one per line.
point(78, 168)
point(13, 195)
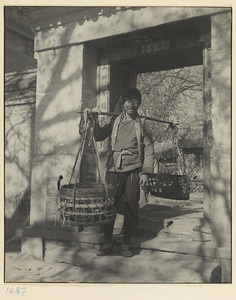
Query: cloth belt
point(120, 157)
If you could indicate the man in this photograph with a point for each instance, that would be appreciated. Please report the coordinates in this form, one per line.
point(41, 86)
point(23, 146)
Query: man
point(130, 160)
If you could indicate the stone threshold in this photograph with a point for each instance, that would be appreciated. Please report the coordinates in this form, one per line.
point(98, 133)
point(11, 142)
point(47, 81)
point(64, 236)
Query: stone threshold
point(91, 237)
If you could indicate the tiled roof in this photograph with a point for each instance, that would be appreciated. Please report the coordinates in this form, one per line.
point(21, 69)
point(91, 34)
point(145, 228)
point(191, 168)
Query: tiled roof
point(165, 149)
point(192, 137)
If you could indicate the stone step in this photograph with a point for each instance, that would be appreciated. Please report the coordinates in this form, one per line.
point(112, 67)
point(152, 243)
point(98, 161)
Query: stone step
point(181, 226)
point(146, 266)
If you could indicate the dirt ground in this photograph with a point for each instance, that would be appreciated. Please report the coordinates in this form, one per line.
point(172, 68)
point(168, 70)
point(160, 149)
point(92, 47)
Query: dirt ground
point(146, 267)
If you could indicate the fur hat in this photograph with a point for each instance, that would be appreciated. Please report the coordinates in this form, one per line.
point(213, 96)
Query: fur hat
point(132, 93)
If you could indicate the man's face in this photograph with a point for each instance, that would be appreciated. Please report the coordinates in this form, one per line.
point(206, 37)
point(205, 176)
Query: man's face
point(131, 106)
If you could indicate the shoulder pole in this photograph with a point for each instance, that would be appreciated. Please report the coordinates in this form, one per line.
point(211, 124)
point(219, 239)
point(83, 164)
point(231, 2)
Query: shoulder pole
point(144, 117)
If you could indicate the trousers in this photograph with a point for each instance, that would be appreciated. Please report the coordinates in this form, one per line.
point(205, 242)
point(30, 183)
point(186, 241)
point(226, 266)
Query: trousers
point(126, 201)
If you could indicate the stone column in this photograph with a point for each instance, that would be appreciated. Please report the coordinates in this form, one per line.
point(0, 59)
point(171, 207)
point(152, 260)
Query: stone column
point(207, 124)
point(221, 128)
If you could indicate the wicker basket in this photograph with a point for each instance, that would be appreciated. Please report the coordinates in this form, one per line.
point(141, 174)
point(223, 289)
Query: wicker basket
point(169, 186)
point(87, 204)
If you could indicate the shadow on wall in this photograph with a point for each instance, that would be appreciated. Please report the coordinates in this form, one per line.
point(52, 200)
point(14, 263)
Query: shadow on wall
point(222, 146)
point(87, 13)
point(15, 225)
point(220, 163)
point(19, 133)
point(58, 125)
point(58, 98)
point(19, 150)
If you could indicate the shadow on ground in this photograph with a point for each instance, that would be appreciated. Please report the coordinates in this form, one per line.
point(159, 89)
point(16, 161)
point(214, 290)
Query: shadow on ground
point(153, 215)
point(151, 220)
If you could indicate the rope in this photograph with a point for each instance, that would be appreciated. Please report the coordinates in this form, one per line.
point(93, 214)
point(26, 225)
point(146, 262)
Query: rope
point(73, 170)
point(80, 154)
point(102, 177)
point(86, 127)
point(172, 131)
point(162, 149)
point(173, 135)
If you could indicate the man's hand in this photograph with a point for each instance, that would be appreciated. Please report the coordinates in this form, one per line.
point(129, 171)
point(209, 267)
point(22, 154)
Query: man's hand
point(87, 111)
point(143, 180)
point(96, 110)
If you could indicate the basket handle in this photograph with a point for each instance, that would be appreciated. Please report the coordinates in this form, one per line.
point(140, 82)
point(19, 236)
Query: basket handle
point(86, 127)
point(59, 182)
point(100, 170)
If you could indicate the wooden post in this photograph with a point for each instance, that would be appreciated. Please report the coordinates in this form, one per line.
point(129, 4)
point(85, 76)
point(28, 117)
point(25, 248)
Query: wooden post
point(103, 101)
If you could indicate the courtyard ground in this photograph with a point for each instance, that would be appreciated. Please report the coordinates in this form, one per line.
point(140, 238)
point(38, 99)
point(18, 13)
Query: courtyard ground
point(171, 245)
